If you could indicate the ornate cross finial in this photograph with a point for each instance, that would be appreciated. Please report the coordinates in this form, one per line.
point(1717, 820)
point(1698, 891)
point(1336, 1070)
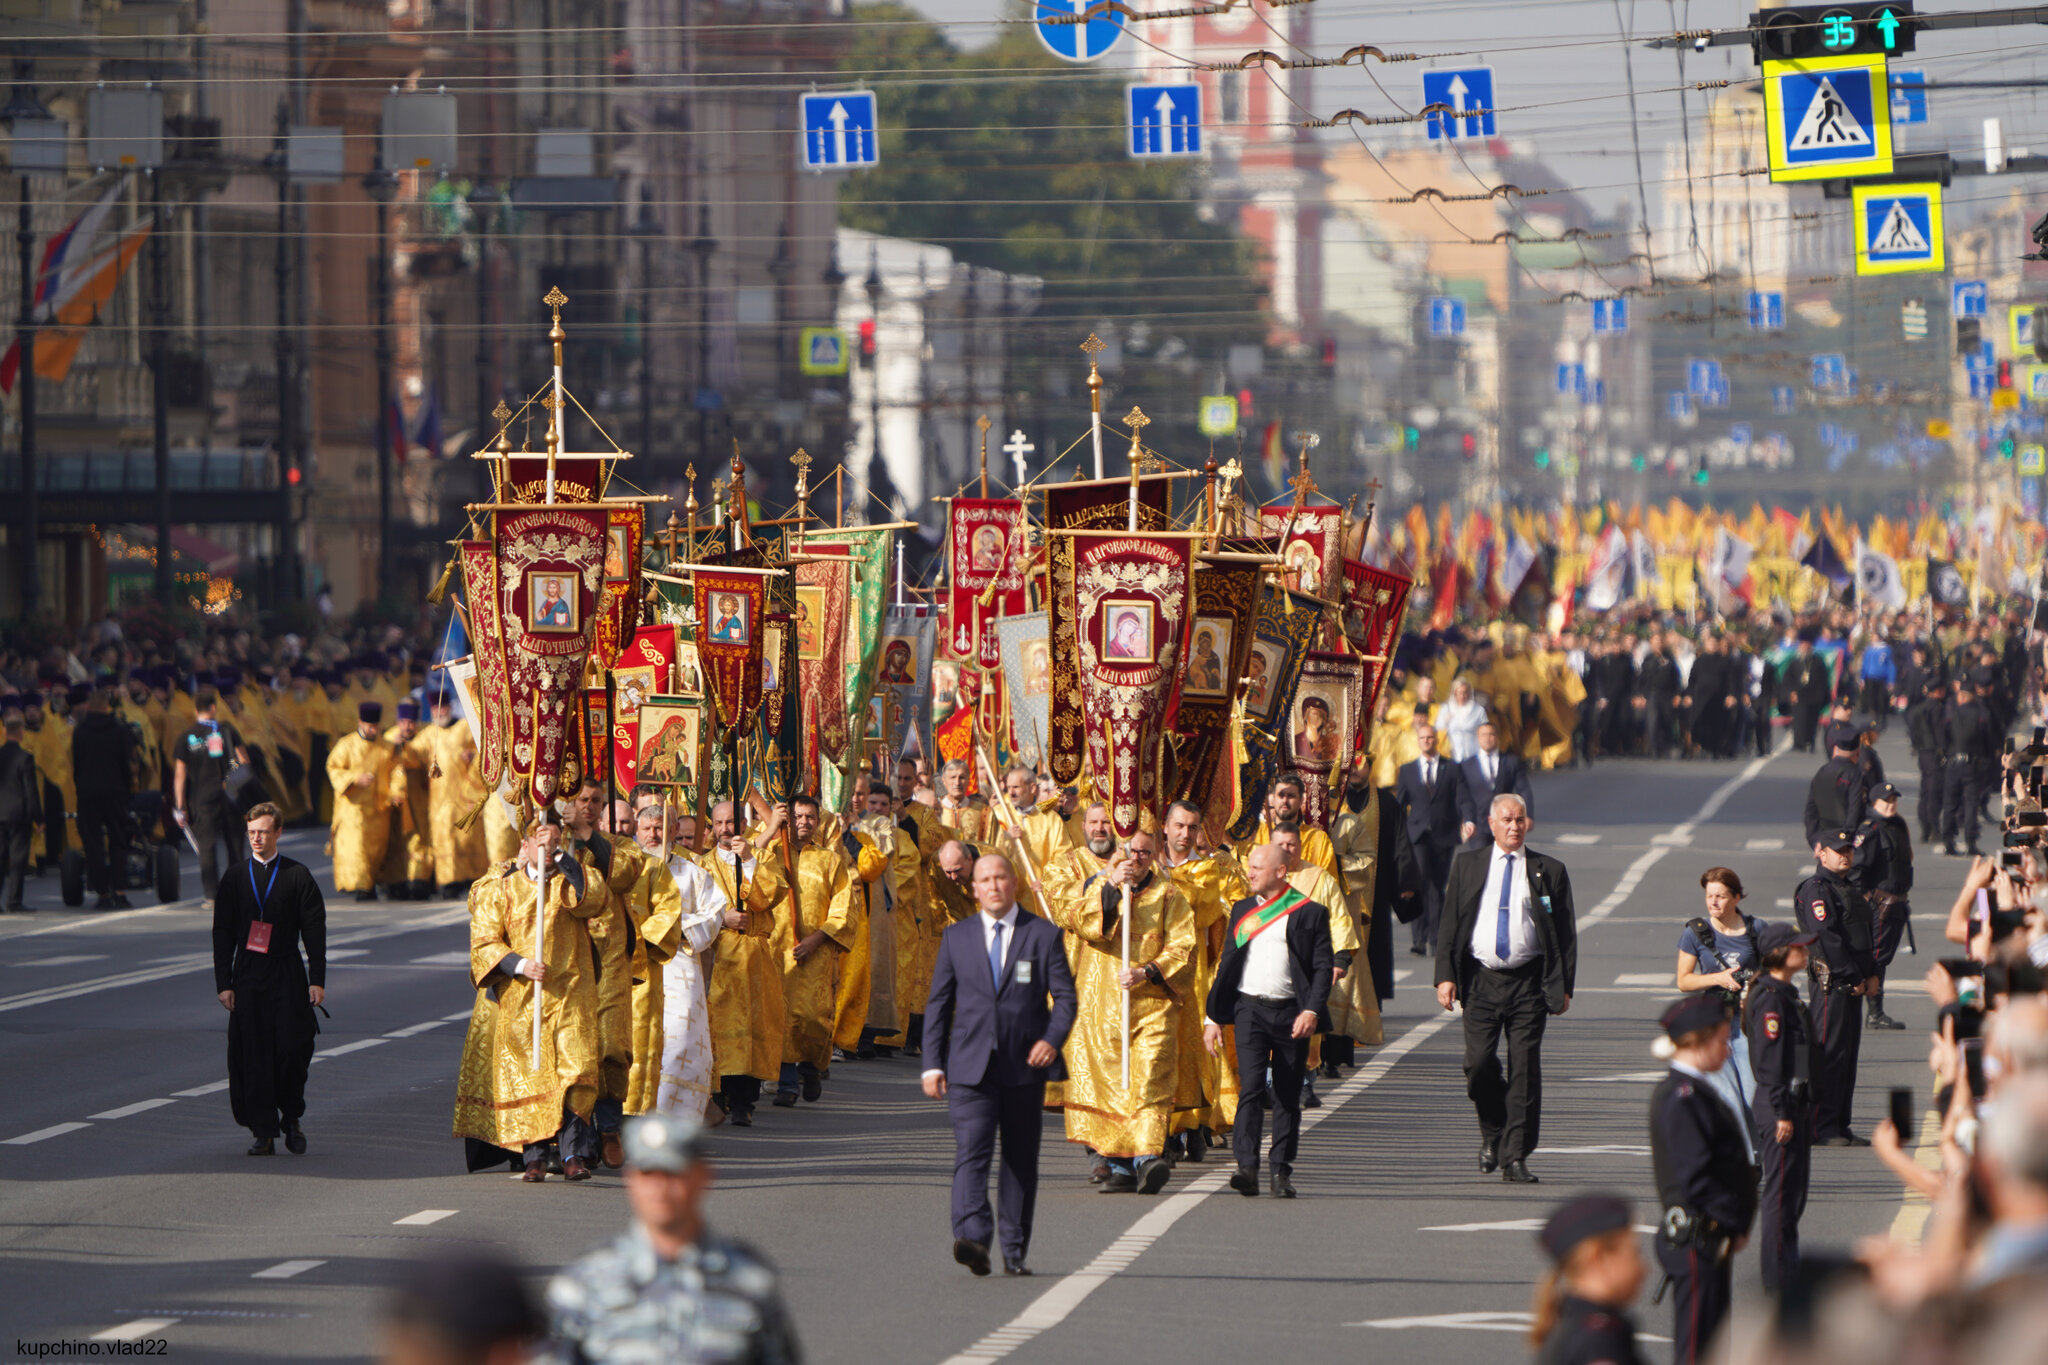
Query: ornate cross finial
point(802, 461)
point(502, 415)
point(547, 400)
point(1093, 346)
point(554, 299)
point(1137, 421)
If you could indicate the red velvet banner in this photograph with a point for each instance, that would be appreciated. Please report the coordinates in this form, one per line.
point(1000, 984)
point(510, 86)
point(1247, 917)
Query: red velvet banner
point(550, 568)
point(487, 645)
point(1311, 549)
point(645, 668)
point(988, 555)
point(731, 627)
point(822, 590)
point(620, 611)
point(1375, 606)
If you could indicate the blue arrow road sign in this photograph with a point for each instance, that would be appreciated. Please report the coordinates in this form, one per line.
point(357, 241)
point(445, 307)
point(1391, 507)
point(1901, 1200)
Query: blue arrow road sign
point(1596, 393)
point(839, 130)
point(1983, 359)
point(1610, 315)
point(1969, 299)
point(1830, 435)
point(1074, 42)
point(1446, 317)
point(1783, 398)
point(1829, 370)
point(1166, 120)
point(1982, 383)
point(1701, 376)
point(1678, 405)
point(1909, 97)
point(1766, 311)
point(1571, 378)
point(1468, 88)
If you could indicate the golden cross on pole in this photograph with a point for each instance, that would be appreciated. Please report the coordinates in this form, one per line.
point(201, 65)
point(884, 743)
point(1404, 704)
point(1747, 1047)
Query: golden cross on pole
point(802, 461)
point(1137, 421)
point(983, 424)
point(1093, 346)
point(672, 533)
point(690, 503)
point(1304, 483)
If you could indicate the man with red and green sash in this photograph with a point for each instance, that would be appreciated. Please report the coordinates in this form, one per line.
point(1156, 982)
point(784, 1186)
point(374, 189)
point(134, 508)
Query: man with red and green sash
point(1273, 988)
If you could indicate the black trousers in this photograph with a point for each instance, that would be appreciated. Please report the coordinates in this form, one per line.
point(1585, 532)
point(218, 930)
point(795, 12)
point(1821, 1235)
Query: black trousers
point(741, 1093)
point(1891, 932)
point(982, 1114)
point(1787, 1168)
point(1660, 719)
point(1435, 865)
point(577, 1138)
point(1805, 720)
point(54, 822)
point(1933, 791)
point(269, 1052)
point(1701, 1293)
point(1963, 788)
point(103, 834)
point(14, 839)
point(1506, 1006)
point(1838, 1038)
point(213, 823)
point(1264, 1038)
point(1876, 700)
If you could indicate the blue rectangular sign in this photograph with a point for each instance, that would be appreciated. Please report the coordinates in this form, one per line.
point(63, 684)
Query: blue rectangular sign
point(1459, 90)
point(839, 130)
point(1165, 120)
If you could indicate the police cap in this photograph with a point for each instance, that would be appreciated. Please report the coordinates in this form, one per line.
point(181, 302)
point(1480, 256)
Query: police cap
point(1771, 937)
point(1692, 1014)
point(1588, 1216)
point(663, 1142)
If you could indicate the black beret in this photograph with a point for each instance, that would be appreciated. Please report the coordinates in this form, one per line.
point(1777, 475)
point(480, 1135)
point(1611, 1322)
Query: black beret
point(371, 711)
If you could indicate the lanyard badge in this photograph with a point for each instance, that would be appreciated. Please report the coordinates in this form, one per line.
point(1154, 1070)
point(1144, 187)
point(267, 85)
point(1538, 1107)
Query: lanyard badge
point(259, 928)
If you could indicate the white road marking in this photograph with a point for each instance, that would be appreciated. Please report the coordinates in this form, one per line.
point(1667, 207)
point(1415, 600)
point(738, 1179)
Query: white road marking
point(65, 961)
point(1509, 1225)
point(54, 1130)
point(336, 954)
point(462, 1018)
point(210, 1088)
point(460, 959)
point(357, 1046)
point(410, 1029)
point(1644, 979)
point(1599, 1149)
point(284, 1270)
point(1673, 840)
point(1402, 974)
point(424, 1217)
point(1464, 1322)
point(1784, 902)
point(133, 1331)
point(1625, 1078)
point(1057, 1303)
point(1578, 838)
point(1763, 845)
point(139, 1107)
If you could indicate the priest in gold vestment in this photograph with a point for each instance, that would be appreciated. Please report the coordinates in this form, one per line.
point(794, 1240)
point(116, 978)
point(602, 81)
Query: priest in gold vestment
point(505, 1096)
point(1127, 1126)
point(808, 940)
point(454, 793)
point(1212, 883)
point(359, 772)
point(748, 1018)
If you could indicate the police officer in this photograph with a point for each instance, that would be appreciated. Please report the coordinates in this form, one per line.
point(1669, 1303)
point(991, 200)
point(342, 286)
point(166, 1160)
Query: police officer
point(1923, 728)
point(1581, 1310)
point(1835, 797)
point(1699, 1151)
point(1969, 765)
point(1843, 969)
point(1781, 1108)
point(1882, 868)
point(669, 1289)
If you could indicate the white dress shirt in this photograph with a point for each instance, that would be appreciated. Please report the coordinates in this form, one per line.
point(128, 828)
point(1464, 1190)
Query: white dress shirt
point(1008, 924)
point(1523, 945)
point(1266, 971)
point(1489, 763)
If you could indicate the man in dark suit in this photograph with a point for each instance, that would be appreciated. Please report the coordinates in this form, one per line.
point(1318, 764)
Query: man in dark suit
point(1509, 952)
point(1485, 775)
point(1002, 1002)
point(1273, 985)
point(21, 809)
point(1428, 792)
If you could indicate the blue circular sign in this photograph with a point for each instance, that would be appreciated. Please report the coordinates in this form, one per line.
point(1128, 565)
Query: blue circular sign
point(1072, 42)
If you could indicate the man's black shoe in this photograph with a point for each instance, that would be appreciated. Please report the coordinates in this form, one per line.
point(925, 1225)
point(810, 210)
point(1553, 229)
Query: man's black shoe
point(1976, 852)
point(1516, 1172)
point(1278, 1182)
point(103, 901)
point(973, 1255)
point(1245, 1181)
point(1099, 1172)
point(1879, 1019)
point(1309, 1098)
point(1118, 1182)
point(366, 897)
point(263, 1147)
point(121, 902)
point(1418, 950)
point(813, 1087)
point(1153, 1175)
point(1195, 1144)
point(295, 1139)
point(785, 1099)
point(742, 1118)
point(1948, 847)
point(1843, 1140)
point(1016, 1267)
point(1489, 1157)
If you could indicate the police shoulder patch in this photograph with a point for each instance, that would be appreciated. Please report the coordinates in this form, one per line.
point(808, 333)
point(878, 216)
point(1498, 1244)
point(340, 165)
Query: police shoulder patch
point(1770, 1025)
point(1820, 910)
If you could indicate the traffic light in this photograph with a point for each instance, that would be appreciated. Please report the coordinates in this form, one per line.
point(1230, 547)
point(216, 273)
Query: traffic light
point(1702, 474)
point(2005, 374)
point(1542, 456)
point(1638, 462)
point(1411, 437)
point(1244, 407)
point(2005, 447)
point(1969, 336)
point(867, 338)
point(1856, 30)
point(1468, 445)
point(1329, 353)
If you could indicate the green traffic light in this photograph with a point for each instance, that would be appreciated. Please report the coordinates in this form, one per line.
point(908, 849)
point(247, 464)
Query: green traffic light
point(1888, 26)
point(2005, 449)
point(1411, 437)
point(1639, 462)
point(1543, 459)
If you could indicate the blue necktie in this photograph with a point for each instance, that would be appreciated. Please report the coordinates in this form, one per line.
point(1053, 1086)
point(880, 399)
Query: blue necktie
point(1507, 885)
point(995, 957)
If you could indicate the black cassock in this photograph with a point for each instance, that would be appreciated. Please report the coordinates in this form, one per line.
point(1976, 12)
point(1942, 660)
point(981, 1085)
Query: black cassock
point(271, 1030)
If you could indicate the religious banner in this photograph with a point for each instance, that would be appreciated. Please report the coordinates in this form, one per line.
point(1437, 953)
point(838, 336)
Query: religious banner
point(1105, 504)
point(1127, 618)
point(731, 607)
point(956, 706)
point(1219, 644)
point(1375, 607)
point(869, 547)
point(645, 668)
point(1320, 728)
point(594, 739)
point(522, 476)
point(903, 688)
point(777, 759)
point(550, 564)
point(823, 590)
point(493, 685)
point(1027, 682)
point(670, 748)
point(619, 612)
point(1310, 545)
point(1285, 632)
point(988, 554)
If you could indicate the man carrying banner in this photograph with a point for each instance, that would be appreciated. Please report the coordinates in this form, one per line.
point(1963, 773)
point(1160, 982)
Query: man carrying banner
point(748, 1020)
point(1211, 884)
point(454, 791)
point(808, 945)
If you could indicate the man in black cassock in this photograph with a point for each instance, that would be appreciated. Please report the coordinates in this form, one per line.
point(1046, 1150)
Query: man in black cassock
point(266, 907)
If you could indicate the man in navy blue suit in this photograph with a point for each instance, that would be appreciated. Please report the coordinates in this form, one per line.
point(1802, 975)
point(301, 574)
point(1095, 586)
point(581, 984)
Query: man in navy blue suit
point(1489, 773)
point(1002, 1002)
point(1429, 790)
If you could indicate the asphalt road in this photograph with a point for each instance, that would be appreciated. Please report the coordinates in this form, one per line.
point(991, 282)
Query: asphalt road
point(130, 1212)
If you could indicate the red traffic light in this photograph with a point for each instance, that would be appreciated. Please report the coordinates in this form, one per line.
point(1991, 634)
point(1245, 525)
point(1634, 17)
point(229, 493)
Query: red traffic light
point(867, 336)
point(1469, 444)
point(1329, 353)
point(2005, 374)
point(1244, 404)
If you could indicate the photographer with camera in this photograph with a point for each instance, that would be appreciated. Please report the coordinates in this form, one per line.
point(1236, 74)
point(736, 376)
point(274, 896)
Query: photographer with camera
point(1717, 952)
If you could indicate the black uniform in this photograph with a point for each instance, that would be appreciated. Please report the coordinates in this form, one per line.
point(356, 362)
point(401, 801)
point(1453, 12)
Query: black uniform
point(1775, 1024)
point(1883, 870)
point(1969, 747)
point(1590, 1334)
point(208, 751)
point(1829, 905)
point(1702, 1166)
point(261, 916)
point(21, 808)
point(1803, 695)
point(1834, 799)
point(102, 762)
point(1923, 728)
point(1710, 704)
point(1657, 682)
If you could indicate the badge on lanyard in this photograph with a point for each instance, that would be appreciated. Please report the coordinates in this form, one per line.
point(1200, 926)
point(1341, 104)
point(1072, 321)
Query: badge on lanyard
point(259, 928)
point(1023, 971)
point(259, 937)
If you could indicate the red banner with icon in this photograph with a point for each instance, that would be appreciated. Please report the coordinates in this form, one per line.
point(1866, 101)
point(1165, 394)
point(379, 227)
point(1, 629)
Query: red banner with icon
point(550, 569)
point(732, 609)
point(646, 668)
point(619, 612)
point(989, 556)
point(487, 645)
point(1310, 546)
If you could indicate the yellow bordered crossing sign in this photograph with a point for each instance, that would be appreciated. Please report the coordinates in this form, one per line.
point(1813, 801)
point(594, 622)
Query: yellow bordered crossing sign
point(1828, 118)
point(1898, 228)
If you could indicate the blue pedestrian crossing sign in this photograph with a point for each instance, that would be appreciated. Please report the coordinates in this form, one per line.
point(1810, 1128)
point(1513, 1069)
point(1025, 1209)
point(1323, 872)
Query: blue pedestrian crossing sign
point(1165, 120)
point(1828, 118)
point(1054, 22)
point(821, 350)
point(1466, 88)
point(1446, 317)
point(1610, 315)
point(1784, 398)
point(839, 130)
point(1909, 97)
point(1969, 299)
point(1898, 228)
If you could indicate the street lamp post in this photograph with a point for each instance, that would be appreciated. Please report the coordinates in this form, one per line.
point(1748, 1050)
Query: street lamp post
point(646, 227)
point(278, 163)
point(781, 266)
point(482, 204)
point(38, 144)
point(835, 282)
point(702, 246)
point(383, 186)
point(877, 478)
